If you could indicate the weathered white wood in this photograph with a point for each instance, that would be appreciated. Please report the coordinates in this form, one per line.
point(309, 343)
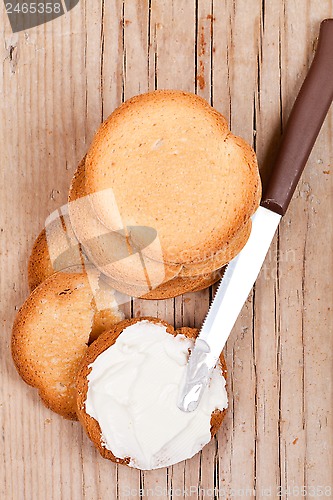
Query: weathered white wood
point(266, 303)
point(302, 353)
point(58, 82)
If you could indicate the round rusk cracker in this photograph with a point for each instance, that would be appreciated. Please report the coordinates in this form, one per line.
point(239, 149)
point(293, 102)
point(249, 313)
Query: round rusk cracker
point(128, 418)
point(167, 160)
point(52, 331)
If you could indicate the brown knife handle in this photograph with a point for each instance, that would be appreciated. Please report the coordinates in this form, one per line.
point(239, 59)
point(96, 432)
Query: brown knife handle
point(303, 126)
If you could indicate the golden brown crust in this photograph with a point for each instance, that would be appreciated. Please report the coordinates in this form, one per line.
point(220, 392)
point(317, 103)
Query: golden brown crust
point(177, 286)
point(77, 187)
point(51, 333)
point(66, 251)
point(190, 222)
point(39, 265)
point(222, 257)
point(106, 340)
point(180, 285)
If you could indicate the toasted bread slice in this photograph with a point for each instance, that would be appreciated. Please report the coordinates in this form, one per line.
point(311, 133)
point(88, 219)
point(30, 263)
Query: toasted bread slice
point(106, 340)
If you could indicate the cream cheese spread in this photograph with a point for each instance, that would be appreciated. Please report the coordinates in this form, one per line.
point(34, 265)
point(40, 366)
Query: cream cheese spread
point(133, 389)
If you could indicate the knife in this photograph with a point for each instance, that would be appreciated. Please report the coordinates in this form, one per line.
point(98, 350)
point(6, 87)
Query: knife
point(305, 121)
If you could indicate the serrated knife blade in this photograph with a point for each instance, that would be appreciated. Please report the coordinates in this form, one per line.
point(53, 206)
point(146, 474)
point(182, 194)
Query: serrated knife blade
point(229, 299)
point(305, 121)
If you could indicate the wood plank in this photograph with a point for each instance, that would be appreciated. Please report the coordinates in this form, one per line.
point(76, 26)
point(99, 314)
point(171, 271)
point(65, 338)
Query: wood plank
point(266, 305)
point(170, 66)
point(208, 458)
point(134, 49)
point(237, 445)
point(298, 360)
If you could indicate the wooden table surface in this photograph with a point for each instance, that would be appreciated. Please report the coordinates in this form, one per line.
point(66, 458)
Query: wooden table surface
point(248, 58)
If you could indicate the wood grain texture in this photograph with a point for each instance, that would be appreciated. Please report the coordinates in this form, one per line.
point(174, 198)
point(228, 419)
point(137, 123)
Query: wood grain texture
point(248, 59)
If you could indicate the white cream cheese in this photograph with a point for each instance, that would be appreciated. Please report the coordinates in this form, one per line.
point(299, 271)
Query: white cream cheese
point(133, 391)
